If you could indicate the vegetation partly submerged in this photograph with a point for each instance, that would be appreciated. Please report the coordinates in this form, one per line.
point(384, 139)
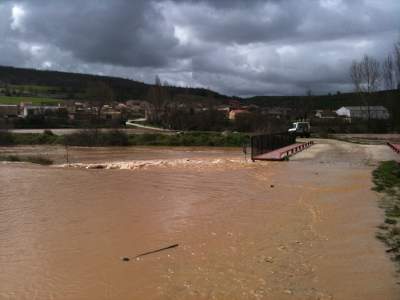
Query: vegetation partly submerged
point(387, 180)
point(93, 138)
point(32, 159)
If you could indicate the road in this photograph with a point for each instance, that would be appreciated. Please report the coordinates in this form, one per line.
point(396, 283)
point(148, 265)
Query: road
point(134, 123)
point(64, 131)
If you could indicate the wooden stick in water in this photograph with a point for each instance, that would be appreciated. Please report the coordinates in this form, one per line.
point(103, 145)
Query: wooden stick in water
point(158, 250)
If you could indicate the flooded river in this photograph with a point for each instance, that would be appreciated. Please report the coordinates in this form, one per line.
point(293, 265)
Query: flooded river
point(302, 229)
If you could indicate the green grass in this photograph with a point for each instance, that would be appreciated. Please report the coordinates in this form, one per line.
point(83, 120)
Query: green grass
point(33, 100)
point(387, 177)
point(32, 159)
point(387, 181)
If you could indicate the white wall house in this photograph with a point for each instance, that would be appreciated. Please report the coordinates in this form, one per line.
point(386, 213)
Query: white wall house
point(32, 110)
point(364, 112)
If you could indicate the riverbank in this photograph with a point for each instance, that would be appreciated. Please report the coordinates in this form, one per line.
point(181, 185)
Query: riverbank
point(31, 159)
point(365, 139)
point(95, 138)
point(387, 182)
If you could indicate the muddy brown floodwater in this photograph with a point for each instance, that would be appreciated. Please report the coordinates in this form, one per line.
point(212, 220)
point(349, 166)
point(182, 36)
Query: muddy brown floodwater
point(303, 229)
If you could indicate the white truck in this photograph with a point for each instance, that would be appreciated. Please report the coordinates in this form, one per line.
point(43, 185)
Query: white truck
point(301, 129)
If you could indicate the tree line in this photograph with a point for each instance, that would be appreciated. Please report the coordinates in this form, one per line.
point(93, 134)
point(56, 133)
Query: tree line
point(369, 73)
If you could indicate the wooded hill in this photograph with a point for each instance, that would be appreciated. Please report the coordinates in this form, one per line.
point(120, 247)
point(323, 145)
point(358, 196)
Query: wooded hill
point(73, 85)
point(389, 99)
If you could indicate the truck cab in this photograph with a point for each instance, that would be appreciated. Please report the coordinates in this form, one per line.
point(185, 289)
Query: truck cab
point(301, 129)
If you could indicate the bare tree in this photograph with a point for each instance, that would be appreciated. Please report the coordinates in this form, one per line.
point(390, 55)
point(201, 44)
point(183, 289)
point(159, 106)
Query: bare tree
point(397, 61)
point(98, 94)
point(372, 73)
point(158, 98)
point(157, 81)
point(366, 75)
point(388, 73)
point(356, 75)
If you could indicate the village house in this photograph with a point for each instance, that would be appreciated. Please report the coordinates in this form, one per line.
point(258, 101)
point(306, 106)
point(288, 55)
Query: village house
point(325, 114)
point(224, 109)
point(36, 110)
point(109, 113)
point(364, 112)
point(235, 112)
point(277, 112)
point(234, 104)
point(9, 111)
point(136, 105)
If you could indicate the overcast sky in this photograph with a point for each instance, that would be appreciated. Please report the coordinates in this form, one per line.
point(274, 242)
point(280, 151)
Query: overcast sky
point(249, 47)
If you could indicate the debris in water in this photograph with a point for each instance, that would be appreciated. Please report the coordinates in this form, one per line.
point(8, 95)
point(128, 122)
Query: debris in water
point(392, 249)
point(269, 259)
point(272, 186)
point(125, 258)
point(98, 167)
point(158, 250)
point(289, 292)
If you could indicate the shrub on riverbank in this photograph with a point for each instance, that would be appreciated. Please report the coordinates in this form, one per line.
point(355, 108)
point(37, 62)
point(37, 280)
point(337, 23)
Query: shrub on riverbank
point(9, 139)
point(190, 139)
point(93, 138)
point(32, 159)
point(387, 180)
point(6, 138)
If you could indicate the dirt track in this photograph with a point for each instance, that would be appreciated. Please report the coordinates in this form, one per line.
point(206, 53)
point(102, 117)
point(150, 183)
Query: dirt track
point(303, 229)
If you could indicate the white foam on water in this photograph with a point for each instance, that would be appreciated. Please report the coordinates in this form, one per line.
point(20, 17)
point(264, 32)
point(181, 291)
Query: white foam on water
point(145, 164)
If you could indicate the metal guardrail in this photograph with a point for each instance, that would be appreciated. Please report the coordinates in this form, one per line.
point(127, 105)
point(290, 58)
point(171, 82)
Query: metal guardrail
point(395, 147)
point(298, 148)
point(264, 143)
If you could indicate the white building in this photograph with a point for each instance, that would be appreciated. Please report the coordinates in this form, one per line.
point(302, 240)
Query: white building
point(364, 112)
point(32, 110)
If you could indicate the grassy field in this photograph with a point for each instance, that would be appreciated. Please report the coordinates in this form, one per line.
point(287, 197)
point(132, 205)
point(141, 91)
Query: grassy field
point(33, 100)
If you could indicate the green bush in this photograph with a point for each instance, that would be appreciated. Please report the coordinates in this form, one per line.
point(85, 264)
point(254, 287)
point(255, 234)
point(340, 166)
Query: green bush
point(386, 176)
point(6, 138)
point(90, 138)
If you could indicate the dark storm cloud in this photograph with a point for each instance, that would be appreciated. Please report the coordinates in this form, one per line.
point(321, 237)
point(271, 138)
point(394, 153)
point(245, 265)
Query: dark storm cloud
point(293, 21)
point(129, 33)
point(236, 47)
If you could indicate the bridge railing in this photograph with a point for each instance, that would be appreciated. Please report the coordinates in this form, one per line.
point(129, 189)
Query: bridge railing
point(263, 143)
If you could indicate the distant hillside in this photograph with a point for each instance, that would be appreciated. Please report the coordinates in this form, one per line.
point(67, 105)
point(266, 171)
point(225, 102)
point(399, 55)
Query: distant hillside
point(389, 99)
point(74, 84)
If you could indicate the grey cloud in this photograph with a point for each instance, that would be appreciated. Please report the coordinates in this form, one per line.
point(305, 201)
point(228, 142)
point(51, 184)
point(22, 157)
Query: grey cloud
point(128, 33)
point(236, 47)
point(295, 21)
